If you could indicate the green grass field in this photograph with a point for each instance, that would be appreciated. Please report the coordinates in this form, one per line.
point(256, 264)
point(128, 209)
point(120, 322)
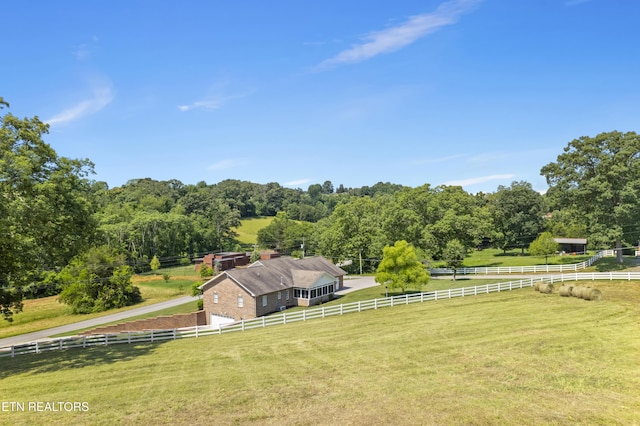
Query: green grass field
point(496, 257)
point(516, 357)
point(248, 230)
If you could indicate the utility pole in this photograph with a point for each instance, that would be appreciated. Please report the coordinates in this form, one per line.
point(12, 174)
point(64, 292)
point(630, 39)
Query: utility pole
point(302, 247)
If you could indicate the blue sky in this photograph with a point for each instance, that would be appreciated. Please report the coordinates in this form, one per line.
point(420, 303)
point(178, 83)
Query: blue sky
point(477, 93)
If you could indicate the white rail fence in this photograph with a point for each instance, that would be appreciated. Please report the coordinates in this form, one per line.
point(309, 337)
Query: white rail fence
point(304, 315)
point(525, 269)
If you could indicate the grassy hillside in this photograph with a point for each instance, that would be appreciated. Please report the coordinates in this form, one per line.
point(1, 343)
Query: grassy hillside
point(248, 230)
point(517, 357)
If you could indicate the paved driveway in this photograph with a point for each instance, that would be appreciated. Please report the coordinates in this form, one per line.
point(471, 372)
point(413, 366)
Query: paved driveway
point(356, 283)
point(43, 334)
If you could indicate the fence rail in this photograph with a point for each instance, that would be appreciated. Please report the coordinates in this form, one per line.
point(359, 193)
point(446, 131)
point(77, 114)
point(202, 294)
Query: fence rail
point(304, 315)
point(525, 269)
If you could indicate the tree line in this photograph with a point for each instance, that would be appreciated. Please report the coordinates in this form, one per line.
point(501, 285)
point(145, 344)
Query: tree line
point(54, 218)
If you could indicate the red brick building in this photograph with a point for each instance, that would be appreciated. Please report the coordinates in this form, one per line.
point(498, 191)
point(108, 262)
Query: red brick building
point(269, 286)
point(223, 261)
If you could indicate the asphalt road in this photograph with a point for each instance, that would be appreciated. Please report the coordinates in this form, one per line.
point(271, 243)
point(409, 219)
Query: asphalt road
point(44, 334)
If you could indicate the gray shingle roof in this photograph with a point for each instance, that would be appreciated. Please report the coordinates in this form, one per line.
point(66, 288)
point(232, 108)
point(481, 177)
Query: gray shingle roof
point(268, 276)
point(570, 240)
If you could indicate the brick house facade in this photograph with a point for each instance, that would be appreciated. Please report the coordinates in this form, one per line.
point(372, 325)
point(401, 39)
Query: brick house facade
point(269, 286)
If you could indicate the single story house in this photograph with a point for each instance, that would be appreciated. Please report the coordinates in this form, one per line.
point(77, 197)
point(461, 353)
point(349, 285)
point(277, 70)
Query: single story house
point(268, 286)
point(572, 245)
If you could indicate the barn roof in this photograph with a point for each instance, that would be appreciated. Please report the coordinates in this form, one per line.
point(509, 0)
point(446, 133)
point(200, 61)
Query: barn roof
point(570, 240)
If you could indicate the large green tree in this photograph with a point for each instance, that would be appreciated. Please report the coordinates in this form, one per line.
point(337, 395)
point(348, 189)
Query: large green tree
point(98, 280)
point(46, 207)
point(284, 234)
point(518, 215)
point(454, 254)
point(352, 232)
point(599, 179)
point(401, 268)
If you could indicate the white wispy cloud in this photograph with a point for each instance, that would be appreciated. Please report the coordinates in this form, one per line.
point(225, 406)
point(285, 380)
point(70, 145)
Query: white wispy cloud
point(85, 50)
point(227, 164)
point(397, 37)
point(208, 104)
point(102, 96)
point(298, 182)
point(212, 103)
point(477, 180)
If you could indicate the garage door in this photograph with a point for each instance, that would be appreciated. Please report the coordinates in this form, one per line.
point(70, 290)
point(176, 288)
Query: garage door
point(217, 320)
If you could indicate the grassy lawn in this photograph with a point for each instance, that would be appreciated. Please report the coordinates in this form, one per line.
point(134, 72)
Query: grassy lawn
point(248, 230)
point(40, 314)
point(496, 257)
point(516, 357)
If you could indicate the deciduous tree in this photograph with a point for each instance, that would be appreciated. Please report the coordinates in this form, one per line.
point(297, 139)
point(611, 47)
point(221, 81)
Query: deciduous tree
point(400, 268)
point(98, 280)
point(518, 215)
point(454, 254)
point(599, 178)
point(544, 245)
point(46, 208)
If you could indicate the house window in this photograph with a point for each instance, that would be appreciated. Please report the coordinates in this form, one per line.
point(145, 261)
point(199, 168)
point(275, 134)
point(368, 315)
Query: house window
point(287, 294)
point(240, 301)
point(279, 295)
point(215, 297)
point(264, 300)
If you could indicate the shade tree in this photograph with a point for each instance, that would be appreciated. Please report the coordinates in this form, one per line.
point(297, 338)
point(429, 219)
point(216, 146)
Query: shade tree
point(598, 178)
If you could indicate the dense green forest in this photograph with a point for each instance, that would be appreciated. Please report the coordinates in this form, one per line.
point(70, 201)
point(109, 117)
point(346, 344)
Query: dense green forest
point(53, 213)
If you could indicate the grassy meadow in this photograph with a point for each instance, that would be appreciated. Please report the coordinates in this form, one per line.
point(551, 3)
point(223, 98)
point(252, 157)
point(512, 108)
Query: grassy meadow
point(516, 357)
point(248, 230)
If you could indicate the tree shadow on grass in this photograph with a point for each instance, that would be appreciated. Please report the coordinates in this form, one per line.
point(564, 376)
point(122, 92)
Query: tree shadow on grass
point(73, 358)
point(610, 264)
